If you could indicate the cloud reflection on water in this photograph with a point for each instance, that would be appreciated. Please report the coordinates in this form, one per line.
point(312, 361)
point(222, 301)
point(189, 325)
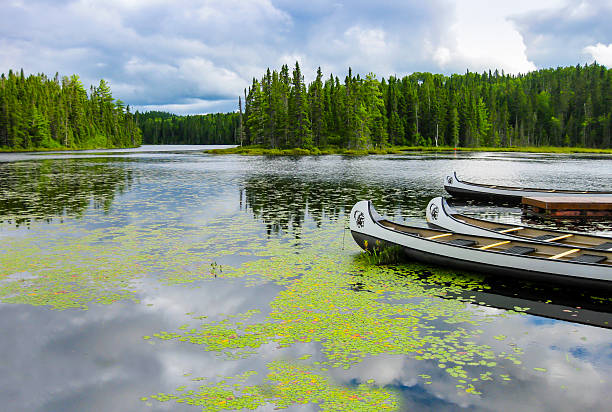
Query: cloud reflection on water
point(97, 359)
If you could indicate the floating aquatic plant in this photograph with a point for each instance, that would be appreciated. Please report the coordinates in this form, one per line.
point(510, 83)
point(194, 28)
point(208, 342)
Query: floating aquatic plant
point(354, 306)
point(285, 384)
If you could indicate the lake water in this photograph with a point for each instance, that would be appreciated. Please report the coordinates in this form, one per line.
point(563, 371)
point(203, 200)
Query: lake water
point(167, 279)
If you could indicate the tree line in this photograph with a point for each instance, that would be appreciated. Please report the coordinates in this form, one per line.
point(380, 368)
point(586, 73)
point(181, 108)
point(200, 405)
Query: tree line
point(37, 112)
point(567, 106)
point(167, 128)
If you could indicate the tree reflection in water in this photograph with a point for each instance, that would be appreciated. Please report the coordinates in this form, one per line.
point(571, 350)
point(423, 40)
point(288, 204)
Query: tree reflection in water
point(44, 190)
point(283, 203)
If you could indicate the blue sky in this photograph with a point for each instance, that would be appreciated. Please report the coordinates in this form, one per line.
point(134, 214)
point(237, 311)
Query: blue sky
point(196, 56)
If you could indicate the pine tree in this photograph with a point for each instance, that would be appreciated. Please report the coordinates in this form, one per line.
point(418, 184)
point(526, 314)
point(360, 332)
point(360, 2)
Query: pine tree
point(562, 106)
point(316, 103)
point(298, 111)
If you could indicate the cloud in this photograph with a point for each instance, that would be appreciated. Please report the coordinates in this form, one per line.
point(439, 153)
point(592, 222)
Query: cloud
point(201, 55)
point(152, 53)
point(576, 359)
point(600, 53)
point(560, 35)
point(193, 106)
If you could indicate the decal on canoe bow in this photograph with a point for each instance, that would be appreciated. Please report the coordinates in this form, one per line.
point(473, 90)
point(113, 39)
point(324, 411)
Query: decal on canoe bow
point(433, 211)
point(359, 218)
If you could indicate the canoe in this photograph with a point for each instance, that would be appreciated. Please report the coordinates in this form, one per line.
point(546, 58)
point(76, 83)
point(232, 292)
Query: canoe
point(459, 188)
point(489, 255)
point(440, 214)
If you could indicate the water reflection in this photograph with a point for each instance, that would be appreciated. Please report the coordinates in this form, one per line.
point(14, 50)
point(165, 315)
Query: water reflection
point(96, 360)
point(553, 301)
point(283, 203)
point(589, 307)
point(173, 215)
point(56, 188)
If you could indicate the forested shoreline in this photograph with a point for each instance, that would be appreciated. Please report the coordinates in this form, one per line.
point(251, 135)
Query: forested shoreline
point(167, 128)
point(37, 112)
point(563, 107)
point(568, 106)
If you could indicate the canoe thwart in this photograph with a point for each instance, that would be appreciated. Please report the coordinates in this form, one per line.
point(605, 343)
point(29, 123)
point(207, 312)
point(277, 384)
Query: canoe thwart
point(494, 245)
point(567, 252)
point(439, 236)
point(512, 229)
point(554, 239)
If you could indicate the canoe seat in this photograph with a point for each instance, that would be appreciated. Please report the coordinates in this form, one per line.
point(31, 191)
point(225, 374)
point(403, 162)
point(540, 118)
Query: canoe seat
point(520, 250)
point(462, 242)
point(589, 258)
point(603, 246)
point(544, 237)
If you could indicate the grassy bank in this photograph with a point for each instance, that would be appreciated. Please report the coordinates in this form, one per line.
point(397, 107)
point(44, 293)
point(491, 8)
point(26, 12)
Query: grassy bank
point(5, 149)
point(260, 151)
point(528, 149)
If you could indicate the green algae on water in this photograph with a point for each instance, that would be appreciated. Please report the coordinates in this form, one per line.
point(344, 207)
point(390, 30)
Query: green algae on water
point(285, 384)
point(395, 311)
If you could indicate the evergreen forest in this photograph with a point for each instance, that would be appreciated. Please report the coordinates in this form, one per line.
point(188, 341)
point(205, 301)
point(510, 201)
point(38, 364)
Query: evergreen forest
point(168, 128)
point(567, 106)
point(37, 112)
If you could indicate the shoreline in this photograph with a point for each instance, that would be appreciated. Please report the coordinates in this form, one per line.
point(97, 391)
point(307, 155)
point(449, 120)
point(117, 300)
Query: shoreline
point(61, 149)
point(401, 150)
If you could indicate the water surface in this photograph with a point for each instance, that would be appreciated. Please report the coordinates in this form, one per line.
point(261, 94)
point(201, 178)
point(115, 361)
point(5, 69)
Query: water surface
point(165, 279)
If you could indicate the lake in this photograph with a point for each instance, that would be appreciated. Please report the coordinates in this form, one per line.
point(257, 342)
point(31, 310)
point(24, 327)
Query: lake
point(163, 278)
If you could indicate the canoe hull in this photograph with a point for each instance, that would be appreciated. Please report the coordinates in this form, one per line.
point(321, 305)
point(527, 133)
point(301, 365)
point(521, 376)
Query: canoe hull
point(469, 193)
point(484, 268)
point(461, 189)
point(369, 233)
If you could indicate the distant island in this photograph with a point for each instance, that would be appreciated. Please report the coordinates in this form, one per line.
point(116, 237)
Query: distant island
point(552, 109)
point(167, 128)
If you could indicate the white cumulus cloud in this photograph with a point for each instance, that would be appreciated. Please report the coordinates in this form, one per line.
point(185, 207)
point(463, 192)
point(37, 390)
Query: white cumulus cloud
point(202, 54)
point(600, 53)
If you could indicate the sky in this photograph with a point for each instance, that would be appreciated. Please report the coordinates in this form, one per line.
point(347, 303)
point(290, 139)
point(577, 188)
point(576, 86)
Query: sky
point(197, 56)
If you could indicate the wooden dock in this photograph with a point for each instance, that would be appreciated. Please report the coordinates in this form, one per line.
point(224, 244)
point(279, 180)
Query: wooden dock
point(569, 206)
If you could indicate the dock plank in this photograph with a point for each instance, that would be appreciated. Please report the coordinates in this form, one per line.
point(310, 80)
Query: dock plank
point(569, 202)
point(569, 206)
